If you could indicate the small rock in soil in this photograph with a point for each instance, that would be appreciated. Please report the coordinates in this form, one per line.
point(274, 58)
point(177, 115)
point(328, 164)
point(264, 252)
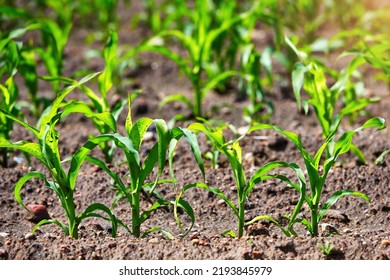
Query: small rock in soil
point(30, 236)
point(39, 213)
point(3, 234)
point(154, 241)
point(3, 254)
point(385, 243)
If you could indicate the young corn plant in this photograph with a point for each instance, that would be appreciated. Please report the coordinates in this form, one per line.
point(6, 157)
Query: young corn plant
point(140, 169)
point(63, 183)
point(232, 150)
point(311, 77)
point(99, 105)
point(199, 46)
point(8, 98)
point(317, 172)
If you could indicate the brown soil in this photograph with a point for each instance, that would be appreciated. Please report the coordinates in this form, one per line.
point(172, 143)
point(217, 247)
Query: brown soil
point(364, 227)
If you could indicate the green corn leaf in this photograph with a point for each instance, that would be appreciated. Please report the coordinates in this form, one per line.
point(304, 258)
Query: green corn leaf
point(123, 143)
point(269, 218)
point(148, 166)
point(58, 101)
point(298, 78)
point(110, 55)
point(163, 142)
point(216, 80)
point(118, 181)
point(176, 98)
point(187, 41)
point(138, 130)
point(193, 142)
point(358, 105)
point(81, 107)
point(154, 207)
point(188, 209)
point(171, 153)
point(20, 184)
point(64, 227)
point(216, 191)
point(22, 123)
point(89, 212)
point(27, 147)
point(333, 199)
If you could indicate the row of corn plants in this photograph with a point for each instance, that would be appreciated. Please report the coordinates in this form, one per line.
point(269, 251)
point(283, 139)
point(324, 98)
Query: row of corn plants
point(214, 44)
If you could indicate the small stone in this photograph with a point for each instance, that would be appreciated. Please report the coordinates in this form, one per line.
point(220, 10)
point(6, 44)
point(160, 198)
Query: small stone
point(195, 241)
point(242, 130)
point(39, 213)
point(65, 248)
point(30, 236)
point(3, 234)
point(347, 230)
point(256, 254)
point(3, 254)
point(385, 243)
point(148, 136)
point(221, 202)
point(154, 241)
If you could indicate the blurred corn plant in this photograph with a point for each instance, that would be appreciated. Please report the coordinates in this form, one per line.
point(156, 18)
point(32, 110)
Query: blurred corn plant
point(325, 100)
point(202, 42)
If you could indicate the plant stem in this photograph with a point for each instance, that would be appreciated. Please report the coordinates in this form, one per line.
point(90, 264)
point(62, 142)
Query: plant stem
point(241, 215)
point(135, 214)
point(314, 222)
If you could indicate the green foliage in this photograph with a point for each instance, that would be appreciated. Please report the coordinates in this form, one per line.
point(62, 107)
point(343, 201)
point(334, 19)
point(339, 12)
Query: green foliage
point(63, 183)
point(311, 76)
point(316, 172)
point(204, 37)
point(140, 170)
point(326, 248)
point(233, 151)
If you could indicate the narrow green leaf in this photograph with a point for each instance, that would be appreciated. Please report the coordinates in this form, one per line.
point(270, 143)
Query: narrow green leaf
point(333, 199)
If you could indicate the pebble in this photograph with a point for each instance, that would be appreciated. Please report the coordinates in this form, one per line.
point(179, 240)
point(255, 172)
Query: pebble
point(347, 230)
point(220, 202)
point(3, 234)
point(195, 241)
point(39, 212)
point(154, 241)
point(3, 254)
point(385, 243)
point(242, 130)
point(30, 236)
point(148, 136)
point(256, 254)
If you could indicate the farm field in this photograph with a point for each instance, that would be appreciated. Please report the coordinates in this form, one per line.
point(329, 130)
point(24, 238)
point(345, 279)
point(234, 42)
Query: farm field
point(194, 130)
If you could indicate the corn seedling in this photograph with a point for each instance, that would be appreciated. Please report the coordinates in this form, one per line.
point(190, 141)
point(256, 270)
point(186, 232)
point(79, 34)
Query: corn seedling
point(139, 171)
point(199, 46)
point(316, 172)
point(63, 183)
point(326, 248)
point(323, 99)
point(232, 150)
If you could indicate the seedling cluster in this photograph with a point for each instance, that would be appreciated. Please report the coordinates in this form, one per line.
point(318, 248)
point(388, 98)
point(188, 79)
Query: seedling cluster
point(218, 53)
